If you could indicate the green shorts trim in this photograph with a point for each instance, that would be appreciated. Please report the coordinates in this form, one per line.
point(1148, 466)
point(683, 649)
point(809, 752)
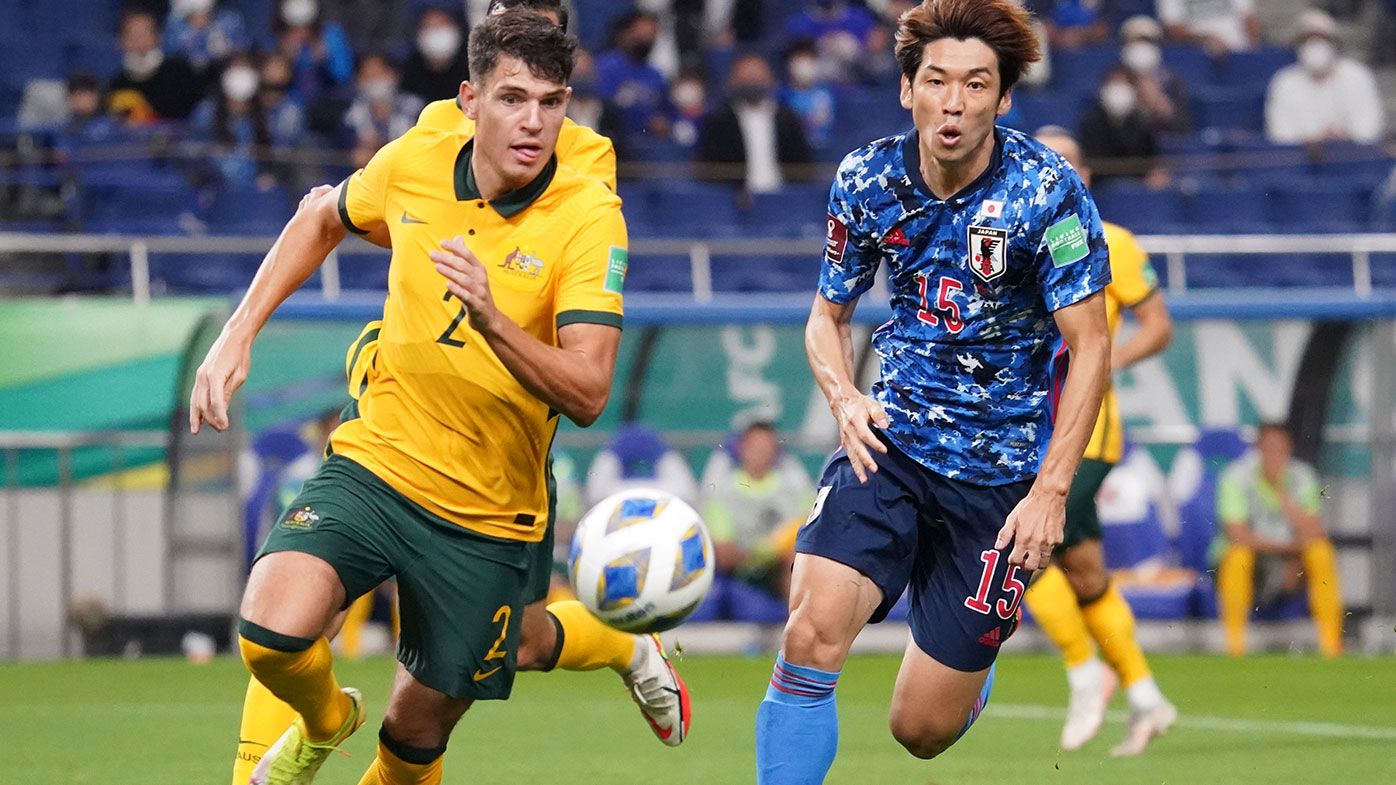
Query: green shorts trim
point(460, 592)
point(1082, 519)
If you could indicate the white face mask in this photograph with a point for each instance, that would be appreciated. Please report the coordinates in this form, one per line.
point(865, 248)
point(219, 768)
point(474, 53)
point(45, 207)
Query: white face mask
point(141, 66)
point(687, 95)
point(298, 13)
point(240, 83)
point(1317, 55)
point(804, 70)
point(187, 8)
point(439, 42)
point(1117, 98)
point(378, 90)
point(1141, 57)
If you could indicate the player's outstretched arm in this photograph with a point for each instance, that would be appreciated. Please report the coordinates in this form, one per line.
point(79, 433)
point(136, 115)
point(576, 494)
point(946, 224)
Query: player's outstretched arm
point(573, 377)
point(829, 345)
point(1035, 525)
point(302, 247)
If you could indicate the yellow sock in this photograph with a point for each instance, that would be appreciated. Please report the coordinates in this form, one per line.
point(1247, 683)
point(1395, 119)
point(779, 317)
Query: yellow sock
point(1325, 595)
point(302, 677)
point(1053, 605)
point(587, 642)
point(351, 634)
point(1235, 595)
point(389, 769)
point(1111, 623)
point(264, 718)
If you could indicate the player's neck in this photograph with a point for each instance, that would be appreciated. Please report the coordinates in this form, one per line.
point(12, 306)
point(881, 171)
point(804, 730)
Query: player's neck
point(491, 182)
point(947, 179)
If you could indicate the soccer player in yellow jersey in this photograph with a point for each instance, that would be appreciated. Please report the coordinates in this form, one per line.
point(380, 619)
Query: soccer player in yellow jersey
point(1074, 600)
point(441, 480)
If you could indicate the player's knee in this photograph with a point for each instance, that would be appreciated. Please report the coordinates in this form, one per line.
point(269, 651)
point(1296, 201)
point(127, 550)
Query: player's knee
point(424, 725)
point(533, 655)
point(808, 642)
point(923, 737)
point(1088, 582)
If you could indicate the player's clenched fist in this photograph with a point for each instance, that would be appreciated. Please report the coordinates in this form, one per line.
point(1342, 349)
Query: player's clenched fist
point(854, 415)
point(220, 375)
point(468, 280)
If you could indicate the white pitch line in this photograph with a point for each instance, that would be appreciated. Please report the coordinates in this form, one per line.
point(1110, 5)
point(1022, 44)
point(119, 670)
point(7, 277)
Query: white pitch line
point(1201, 722)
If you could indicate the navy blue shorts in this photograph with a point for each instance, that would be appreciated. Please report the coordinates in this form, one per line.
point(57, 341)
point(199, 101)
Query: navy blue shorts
point(911, 526)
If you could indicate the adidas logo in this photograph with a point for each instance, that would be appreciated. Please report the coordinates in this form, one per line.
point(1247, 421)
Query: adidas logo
point(993, 638)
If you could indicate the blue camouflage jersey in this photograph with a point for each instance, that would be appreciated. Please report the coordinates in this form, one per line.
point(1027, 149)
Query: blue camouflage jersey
point(965, 358)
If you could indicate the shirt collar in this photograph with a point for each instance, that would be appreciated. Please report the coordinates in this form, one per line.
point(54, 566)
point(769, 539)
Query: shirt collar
point(509, 203)
point(911, 158)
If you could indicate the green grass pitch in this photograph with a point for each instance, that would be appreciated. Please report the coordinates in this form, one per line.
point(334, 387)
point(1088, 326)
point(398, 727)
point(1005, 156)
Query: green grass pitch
point(1266, 720)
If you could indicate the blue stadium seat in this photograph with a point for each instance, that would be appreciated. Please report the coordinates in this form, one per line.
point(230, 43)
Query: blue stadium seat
point(203, 273)
point(1230, 210)
point(1229, 109)
point(714, 606)
point(659, 273)
point(1336, 207)
point(795, 211)
point(1189, 63)
point(765, 273)
point(364, 272)
point(1056, 107)
point(1083, 68)
point(1241, 69)
point(1142, 210)
point(696, 209)
point(239, 210)
point(750, 604)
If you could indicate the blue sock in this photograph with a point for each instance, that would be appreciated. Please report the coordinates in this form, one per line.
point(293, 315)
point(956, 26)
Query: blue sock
point(797, 726)
point(981, 703)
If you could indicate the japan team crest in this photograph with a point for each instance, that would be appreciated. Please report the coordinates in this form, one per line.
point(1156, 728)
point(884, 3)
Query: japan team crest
point(988, 252)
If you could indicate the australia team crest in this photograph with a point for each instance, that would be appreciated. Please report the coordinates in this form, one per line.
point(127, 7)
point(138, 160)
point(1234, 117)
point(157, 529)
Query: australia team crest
point(988, 252)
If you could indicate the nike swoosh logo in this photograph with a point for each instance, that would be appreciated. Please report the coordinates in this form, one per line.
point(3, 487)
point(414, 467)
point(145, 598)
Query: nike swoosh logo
point(481, 676)
point(407, 219)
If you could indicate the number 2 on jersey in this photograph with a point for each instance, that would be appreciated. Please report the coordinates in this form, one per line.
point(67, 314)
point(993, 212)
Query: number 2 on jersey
point(1012, 585)
point(460, 317)
point(946, 309)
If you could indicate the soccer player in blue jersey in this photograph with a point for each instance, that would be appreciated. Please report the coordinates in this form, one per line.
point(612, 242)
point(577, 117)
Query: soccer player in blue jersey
point(951, 478)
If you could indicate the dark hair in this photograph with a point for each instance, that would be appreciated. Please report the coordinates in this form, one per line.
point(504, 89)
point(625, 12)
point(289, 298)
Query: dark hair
point(539, 6)
point(375, 54)
point(760, 425)
point(626, 21)
point(1272, 425)
point(801, 46)
point(132, 11)
point(83, 80)
point(541, 45)
point(1001, 24)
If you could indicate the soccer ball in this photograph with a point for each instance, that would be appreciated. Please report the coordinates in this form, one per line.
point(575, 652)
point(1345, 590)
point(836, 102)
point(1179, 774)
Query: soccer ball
point(641, 560)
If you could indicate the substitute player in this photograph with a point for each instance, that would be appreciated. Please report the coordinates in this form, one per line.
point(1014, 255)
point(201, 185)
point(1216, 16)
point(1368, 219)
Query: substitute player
point(1074, 600)
point(563, 634)
point(949, 478)
point(486, 338)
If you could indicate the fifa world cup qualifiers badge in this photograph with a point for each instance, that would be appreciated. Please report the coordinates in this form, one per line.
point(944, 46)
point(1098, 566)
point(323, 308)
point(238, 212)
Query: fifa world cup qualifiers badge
point(303, 518)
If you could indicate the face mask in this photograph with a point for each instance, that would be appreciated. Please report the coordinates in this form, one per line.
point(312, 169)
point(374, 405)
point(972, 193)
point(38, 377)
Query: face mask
point(1117, 98)
point(142, 65)
point(640, 50)
point(378, 90)
point(687, 95)
point(187, 8)
point(751, 93)
point(439, 42)
point(1317, 55)
point(298, 13)
point(804, 70)
point(239, 83)
point(1141, 57)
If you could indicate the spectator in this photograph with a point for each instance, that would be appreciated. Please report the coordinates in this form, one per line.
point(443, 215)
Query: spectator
point(1160, 92)
point(808, 93)
point(845, 35)
point(753, 135)
point(638, 457)
point(236, 123)
point(151, 85)
point(753, 507)
point(381, 111)
point(86, 121)
point(202, 35)
point(1325, 96)
point(689, 97)
point(1116, 136)
point(588, 108)
point(1220, 26)
point(439, 64)
point(285, 117)
point(625, 77)
point(368, 24)
point(319, 51)
point(1273, 541)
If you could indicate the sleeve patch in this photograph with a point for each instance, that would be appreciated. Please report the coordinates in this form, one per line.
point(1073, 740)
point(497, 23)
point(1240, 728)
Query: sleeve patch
point(835, 241)
point(616, 267)
point(1067, 241)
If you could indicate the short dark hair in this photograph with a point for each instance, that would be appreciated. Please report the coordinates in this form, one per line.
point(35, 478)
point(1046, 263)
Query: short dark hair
point(542, 6)
point(83, 80)
point(541, 45)
point(1002, 25)
point(1272, 426)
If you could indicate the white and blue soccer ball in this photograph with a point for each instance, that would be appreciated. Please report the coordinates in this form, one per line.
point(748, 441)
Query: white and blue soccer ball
point(641, 560)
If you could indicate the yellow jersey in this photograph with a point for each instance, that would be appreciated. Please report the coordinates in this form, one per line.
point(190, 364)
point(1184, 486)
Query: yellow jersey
point(441, 419)
point(1133, 281)
point(578, 146)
